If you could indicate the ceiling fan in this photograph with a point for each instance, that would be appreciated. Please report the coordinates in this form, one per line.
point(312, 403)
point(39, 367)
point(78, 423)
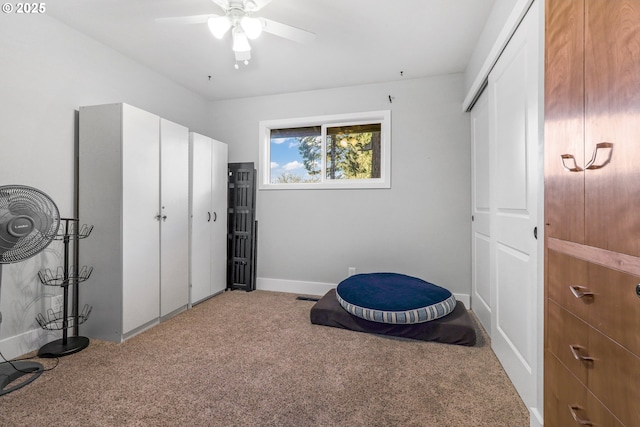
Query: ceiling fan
point(239, 20)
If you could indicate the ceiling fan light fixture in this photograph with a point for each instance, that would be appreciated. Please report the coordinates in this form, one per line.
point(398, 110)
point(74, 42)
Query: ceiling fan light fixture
point(219, 26)
point(240, 41)
point(252, 27)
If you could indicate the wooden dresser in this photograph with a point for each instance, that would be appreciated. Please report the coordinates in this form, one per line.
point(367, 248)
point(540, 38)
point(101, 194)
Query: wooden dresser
point(592, 213)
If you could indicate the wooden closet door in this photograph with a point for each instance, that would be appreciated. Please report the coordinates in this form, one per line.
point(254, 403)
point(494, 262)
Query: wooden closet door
point(612, 108)
point(564, 120)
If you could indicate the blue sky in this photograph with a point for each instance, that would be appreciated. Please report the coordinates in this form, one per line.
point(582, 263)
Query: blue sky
point(285, 158)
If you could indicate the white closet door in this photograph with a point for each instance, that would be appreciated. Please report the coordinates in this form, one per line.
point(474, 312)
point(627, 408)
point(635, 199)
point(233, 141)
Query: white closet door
point(174, 210)
point(219, 185)
point(140, 200)
point(480, 203)
point(514, 132)
point(201, 217)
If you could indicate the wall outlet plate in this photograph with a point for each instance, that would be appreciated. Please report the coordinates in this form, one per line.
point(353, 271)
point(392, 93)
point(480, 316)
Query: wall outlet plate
point(352, 271)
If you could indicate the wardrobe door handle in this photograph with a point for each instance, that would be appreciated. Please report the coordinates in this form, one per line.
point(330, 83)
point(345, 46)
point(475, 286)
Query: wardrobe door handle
point(575, 167)
point(591, 164)
point(215, 217)
point(580, 291)
point(575, 350)
point(602, 145)
point(209, 213)
point(574, 414)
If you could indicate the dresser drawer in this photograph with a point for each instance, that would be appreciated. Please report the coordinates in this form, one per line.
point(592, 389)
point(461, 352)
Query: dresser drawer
point(603, 297)
point(615, 310)
point(568, 340)
point(608, 370)
point(564, 272)
point(615, 377)
point(568, 403)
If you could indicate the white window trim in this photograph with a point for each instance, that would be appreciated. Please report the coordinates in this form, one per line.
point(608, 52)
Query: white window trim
point(264, 167)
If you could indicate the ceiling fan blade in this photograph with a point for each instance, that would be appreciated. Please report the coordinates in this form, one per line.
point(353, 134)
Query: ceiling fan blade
point(224, 4)
point(193, 19)
point(287, 31)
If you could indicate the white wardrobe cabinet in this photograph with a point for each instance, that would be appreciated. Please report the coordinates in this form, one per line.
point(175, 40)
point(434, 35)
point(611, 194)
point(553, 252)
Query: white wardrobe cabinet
point(208, 216)
point(133, 186)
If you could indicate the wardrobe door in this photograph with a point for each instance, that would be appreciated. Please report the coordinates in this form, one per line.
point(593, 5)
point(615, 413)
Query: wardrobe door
point(481, 215)
point(515, 146)
point(612, 124)
point(201, 217)
point(564, 120)
point(140, 226)
point(219, 186)
point(174, 213)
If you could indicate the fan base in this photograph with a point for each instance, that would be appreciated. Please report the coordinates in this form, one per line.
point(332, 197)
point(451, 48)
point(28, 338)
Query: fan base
point(59, 348)
point(9, 374)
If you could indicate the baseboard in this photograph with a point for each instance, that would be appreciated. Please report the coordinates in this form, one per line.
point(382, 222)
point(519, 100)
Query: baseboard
point(293, 286)
point(26, 342)
point(318, 288)
point(464, 298)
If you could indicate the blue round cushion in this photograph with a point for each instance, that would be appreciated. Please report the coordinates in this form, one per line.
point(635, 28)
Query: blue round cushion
point(394, 298)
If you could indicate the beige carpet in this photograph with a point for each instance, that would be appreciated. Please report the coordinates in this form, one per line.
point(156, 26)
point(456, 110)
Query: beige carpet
point(254, 359)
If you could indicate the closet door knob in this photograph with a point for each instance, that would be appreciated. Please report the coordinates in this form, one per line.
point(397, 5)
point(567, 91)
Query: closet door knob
point(215, 217)
point(209, 219)
point(580, 292)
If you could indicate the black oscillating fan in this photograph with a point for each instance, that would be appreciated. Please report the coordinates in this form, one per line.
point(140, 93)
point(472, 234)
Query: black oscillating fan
point(29, 221)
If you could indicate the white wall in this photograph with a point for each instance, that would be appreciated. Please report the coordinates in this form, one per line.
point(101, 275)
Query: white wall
point(47, 71)
point(420, 227)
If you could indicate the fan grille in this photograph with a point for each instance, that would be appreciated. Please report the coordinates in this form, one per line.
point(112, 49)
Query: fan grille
point(29, 221)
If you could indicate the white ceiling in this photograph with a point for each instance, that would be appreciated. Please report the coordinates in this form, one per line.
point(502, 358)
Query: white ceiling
point(358, 41)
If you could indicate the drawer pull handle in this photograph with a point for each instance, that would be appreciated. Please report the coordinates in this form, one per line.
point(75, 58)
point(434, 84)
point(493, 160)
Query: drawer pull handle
point(603, 145)
point(580, 291)
point(575, 167)
point(575, 350)
point(574, 414)
point(591, 164)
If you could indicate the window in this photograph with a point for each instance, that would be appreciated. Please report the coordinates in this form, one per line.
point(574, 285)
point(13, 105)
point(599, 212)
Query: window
point(342, 151)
